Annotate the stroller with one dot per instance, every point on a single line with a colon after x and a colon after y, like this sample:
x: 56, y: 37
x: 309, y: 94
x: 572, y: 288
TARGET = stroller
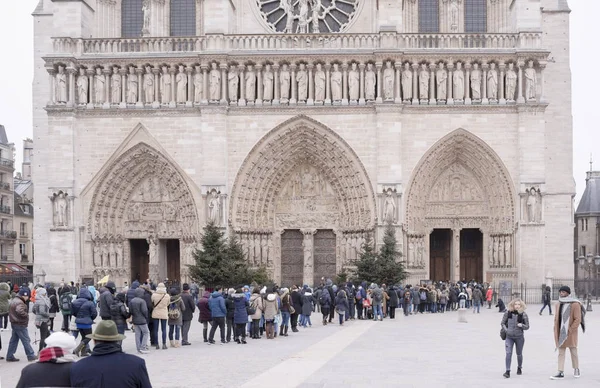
x: 367, y: 308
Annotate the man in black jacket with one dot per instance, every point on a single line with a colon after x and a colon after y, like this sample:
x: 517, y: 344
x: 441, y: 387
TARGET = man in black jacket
x: 106, y: 300
x: 188, y: 313
x: 140, y: 317
x: 297, y: 303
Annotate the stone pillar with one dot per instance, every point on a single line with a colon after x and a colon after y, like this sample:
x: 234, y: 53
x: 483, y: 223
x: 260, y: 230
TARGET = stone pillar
x: 501, y: 98
x: 140, y: 74
x: 123, y: 103
x: 294, y: 95
x: 361, y: 94
x: 51, y: 82
x: 379, y: 89
x: 277, y: 95
x: 71, y: 87
x: 224, y: 84
x: 309, y: 260
x: 156, y: 102
x: 172, y: 103
x: 190, y: 90
x: 327, y: 84
x: 92, y: 88
x: 455, y: 256
x: 415, y: 100
x: 520, y: 98
x: 259, y: 85
x: 344, y: 84
x: 311, y: 85
x: 449, y: 92
x: 398, y: 84
x: 542, y: 65
x: 468, y: 100
x: 107, y: 87
x: 484, y: 96
x: 204, y: 84
x: 432, y: 85
x: 242, y: 100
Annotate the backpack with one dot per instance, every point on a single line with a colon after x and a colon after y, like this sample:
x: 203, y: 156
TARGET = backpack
x: 377, y: 296
x: 174, y: 312
x: 66, y: 302
x: 324, y: 298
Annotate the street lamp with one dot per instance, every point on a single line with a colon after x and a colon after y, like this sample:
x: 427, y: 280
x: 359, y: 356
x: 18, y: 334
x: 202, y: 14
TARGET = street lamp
x: 589, y: 263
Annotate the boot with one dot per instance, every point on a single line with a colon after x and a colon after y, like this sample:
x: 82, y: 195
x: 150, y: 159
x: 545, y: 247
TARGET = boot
x: 78, y: 349
x: 268, y: 330
x: 285, y: 334
x: 165, y: 346
x: 172, y: 343
x: 261, y: 330
x: 176, y: 344
x: 281, y: 331
x: 205, y: 334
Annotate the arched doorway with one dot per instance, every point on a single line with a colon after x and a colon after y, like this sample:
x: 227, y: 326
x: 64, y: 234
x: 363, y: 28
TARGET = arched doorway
x: 460, y: 206
x: 302, y: 201
x: 142, y: 220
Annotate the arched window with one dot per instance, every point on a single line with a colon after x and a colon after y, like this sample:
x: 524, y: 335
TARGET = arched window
x: 429, y: 16
x: 132, y: 18
x: 183, y: 17
x: 475, y: 16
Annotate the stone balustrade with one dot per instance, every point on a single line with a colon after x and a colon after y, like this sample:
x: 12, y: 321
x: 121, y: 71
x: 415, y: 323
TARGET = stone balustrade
x: 282, y: 42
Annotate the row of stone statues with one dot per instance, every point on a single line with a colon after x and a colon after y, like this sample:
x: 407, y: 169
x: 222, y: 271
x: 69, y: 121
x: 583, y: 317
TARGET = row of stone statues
x: 500, y: 252
x: 311, y: 84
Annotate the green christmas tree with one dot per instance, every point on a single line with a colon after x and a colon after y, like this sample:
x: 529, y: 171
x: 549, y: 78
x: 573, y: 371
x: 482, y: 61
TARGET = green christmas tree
x: 366, y: 264
x: 390, y: 269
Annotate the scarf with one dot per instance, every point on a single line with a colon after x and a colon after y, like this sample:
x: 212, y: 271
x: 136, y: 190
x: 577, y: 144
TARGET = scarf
x: 103, y: 348
x: 564, y: 318
x: 55, y: 355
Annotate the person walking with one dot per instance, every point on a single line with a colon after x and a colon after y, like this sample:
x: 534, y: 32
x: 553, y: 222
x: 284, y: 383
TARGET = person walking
x: 106, y: 299
x: 41, y: 309
x: 218, y: 312
x: 514, y: 323
x: 140, y: 316
x: 341, y: 305
x: 84, y: 311
x: 160, y: 313
x: 256, y: 303
x: 205, y: 317
x: 18, y: 313
x: 546, y: 299
x: 488, y: 296
x: 286, y: 307
x: 297, y: 304
x: 53, y: 307
x: 4, y: 302
x: 119, y: 313
x: 477, y: 299
x: 570, y: 314
x: 65, y: 302
x: 188, y: 313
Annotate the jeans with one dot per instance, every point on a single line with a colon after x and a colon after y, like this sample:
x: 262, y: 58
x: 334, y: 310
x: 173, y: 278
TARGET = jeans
x: 153, y: 336
x: 508, y: 344
x: 176, y: 328
x: 359, y: 309
x: 406, y: 308
x: 66, y: 321
x: 549, y: 307
x: 306, y: 320
x: 142, y: 333
x: 44, y: 333
x: 121, y: 328
x: 461, y: 303
x: 185, y: 330
x: 377, y: 310
x: 220, y: 322
x: 3, y: 321
x: 163, y: 328
x: 19, y: 333
x: 301, y: 320
x: 433, y: 307
x: 285, y: 318
x: 230, y: 329
x: 476, y: 306
x: 341, y: 318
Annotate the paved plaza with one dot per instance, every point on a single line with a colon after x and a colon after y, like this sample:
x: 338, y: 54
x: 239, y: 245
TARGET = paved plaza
x: 434, y: 350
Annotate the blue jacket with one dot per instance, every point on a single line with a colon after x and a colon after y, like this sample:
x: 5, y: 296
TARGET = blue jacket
x: 84, y: 309
x: 216, y: 304
x: 109, y: 367
x: 131, y: 291
x: 240, y: 313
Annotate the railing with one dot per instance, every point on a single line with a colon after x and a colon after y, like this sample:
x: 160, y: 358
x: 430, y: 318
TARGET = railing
x: 23, y: 234
x: 8, y: 234
x: 24, y: 258
x: 4, y: 258
x: 281, y: 42
x: 5, y: 209
x: 7, y: 162
x: 5, y: 186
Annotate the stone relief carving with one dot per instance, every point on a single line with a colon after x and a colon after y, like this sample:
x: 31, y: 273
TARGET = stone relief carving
x: 319, y: 83
x: 233, y: 81
x: 82, y: 87
x: 132, y: 86
x: 456, y: 184
x: 147, y: 16
x: 149, y: 85
x: 442, y: 82
x: 353, y: 81
x: 181, y: 81
x: 407, y: 83
x: 250, y: 84
x: 284, y: 79
x: 492, y: 83
x: 511, y: 82
x: 303, y: 18
x: 199, y: 85
x: 100, y: 86
x: 336, y: 83
x: 530, y: 82
x: 500, y: 251
x: 215, y: 207
x: 388, y: 82
x: 389, y: 206
x: 533, y: 205
x: 415, y: 257
x: 458, y: 83
x: 61, y: 86
x: 165, y: 86
x: 115, y: 87
x: 424, y: 83
x: 302, y: 79
x: 268, y: 79
x: 214, y: 83
x: 476, y: 82
x: 61, y: 209
x: 370, y: 80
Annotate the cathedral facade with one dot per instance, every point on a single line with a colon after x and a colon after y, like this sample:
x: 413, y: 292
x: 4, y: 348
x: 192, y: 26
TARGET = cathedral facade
x: 303, y: 127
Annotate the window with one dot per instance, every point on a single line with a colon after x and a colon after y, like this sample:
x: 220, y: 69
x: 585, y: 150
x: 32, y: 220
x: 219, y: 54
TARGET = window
x: 583, y: 250
x: 23, y: 248
x: 183, y: 17
x: 586, y: 224
x: 475, y: 16
x: 23, y: 229
x: 25, y: 209
x: 429, y: 16
x: 582, y: 225
x: 132, y: 18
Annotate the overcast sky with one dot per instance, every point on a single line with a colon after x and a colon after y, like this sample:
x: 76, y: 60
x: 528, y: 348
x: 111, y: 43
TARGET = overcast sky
x: 16, y: 74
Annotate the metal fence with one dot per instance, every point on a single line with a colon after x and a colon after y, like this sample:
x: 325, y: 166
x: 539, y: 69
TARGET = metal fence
x: 17, y: 279
x: 533, y: 294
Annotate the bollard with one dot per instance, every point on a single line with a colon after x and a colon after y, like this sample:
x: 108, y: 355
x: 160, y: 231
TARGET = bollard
x: 462, y: 315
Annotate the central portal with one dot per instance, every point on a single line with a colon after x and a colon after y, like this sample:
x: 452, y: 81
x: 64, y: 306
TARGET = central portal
x: 440, y: 246
x: 471, y: 255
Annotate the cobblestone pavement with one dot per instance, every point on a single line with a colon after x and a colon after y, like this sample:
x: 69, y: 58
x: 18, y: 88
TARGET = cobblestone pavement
x: 411, y: 351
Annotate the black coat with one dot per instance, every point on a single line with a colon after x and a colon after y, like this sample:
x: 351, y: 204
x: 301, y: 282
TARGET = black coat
x: 190, y: 307
x: 393, y: 297
x: 45, y: 374
x: 230, y: 306
x: 106, y: 299
x: 297, y: 301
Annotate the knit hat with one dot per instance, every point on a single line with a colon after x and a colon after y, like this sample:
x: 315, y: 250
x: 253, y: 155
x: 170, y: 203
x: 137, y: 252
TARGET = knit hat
x: 62, y: 340
x: 24, y: 291
x: 186, y: 287
x: 106, y: 331
x: 566, y: 289
x: 161, y: 288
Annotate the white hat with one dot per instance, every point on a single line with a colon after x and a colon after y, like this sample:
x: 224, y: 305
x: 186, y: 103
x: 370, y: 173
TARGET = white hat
x: 61, y: 339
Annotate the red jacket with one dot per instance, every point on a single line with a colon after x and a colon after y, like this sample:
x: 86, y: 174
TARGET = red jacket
x: 489, y: 294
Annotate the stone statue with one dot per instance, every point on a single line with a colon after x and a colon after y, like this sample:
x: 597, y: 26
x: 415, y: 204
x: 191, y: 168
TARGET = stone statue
x: 319, y: 83
x: 424, y: 82
x: 531, y: 203
x: 233, y: 81
x: 132, y: 86
x: 492, y: 82
x: 476, y: 82
x: 370, y: 80
x: 495, y: 256
x: 146, y: 13
x: 407, y: 82
x: 288, y: 9
x: 458, y: 82
x: 530, y: 82
x: 336, y: 83
x: 149, y: 85
x: 511, y: 82
x: 420, y: 252
x: 198, y: 85
x: 115, y: 86
x: 303, y: 17
x: 268, y: 78
x: 214, y: 82
x: 389, y: 208
x: 60, y: 209
x: 165, y: 86
x: 250, y: 84
x: 82, y: 87
x: 491, y: 252
x: 214, y: 208
x: 388, y: 82
x: 61, y: 86
x: 285, y: 82
x: 353, y: 82
x: 302, y: 79
x: 411, y: 252
x: 100, y: 80
x: 442, y: 82
x: 454, y: 15
x: 181, y: 82
x: 507, y: 260
x: 316, y: 7
x: 96, y: 257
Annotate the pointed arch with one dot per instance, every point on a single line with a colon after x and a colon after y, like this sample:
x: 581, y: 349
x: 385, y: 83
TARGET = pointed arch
x: 483, y: 194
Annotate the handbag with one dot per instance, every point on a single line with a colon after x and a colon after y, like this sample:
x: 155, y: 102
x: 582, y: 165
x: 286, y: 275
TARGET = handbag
x: 251, y: 310
x: 292, y: 310
x: 503, y: 334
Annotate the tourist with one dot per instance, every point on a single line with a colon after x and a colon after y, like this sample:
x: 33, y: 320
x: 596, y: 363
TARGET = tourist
x: 360, y: 295
x: 119, y: 313
x: 270, y: 312
x: 240, y: 316
x: 350, y: 293
x: 109, y: 366
x: 501, y: 306
x: 307, y: 307
x: 54, y: 366
x: 286, y: 307
x: 256, y: 303
x: 65, y: 302
x: 194, y: 291
x: 546, y: 299
x: 150, y: 307
x: 569, y: 315
x: 160, y: 313
x: 131, y: 291
x: 462, y: 299
x: 326, y: 305
x: 230, y: 307
x: 444, y: 298
x: 175, y: 313
x: 218, y: 312
x: 329, y: 287
x: 416, y: 299
x: 188, y: 313
x: 140, y: 316
x: 4, y: 302
x: 106, y: 299
x: 376, y: 301
x: 488, y: 296
x: 85, y: 312
x: 469, y: 302
x: 407, y: 301
x: 477, y: 299
x: 205, y: 317
x: 19, y: 320
x: 341, y: 306
x: 53, y: 307
x: 393, y: 301
x: 41, y: 309
x: 297, y: 304
x: 514, y: 323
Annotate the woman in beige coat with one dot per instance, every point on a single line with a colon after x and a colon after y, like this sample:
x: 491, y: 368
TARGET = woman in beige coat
x: 160, y: 314
x: 256, y: 302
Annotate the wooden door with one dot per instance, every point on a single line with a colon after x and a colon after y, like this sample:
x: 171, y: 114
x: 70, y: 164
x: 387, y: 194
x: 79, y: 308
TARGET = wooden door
x: 292, y: 258
x: 471, y: 255
x: 324, y: 254
x: 173, y: 261
x: 140, y: 261
x: 440, y: 244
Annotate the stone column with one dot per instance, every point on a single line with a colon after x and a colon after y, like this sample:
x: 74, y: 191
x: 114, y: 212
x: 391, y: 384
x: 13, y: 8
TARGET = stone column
x: 294, y: 95
x: 204, y: 83
x: 398, y: 84
x: 259, y: 85
x: 224, y: 84
x: 156, y: 102
x: 432, y: 85
x: 361, y: 94
x: 71, y: 87
x: 140, y: 74
x: 309, y: 260
x: 92, y: 88
x: 468, y: 100
x: 190, y: 84
x: 449, y: 93
x: 107, y: 87
x: 344, y: 84
x: 327, y: 84
x: 542, y: 66
x: 484, y: 96
x: 277, y: 95
x: 123, y: 72
x: 172, y: 71
x: 415, y: 100
x: 311, y: 85
x: 501, y: 98
x: 520, y: 98
x: 455, y: 257
x: 379, y: 89
x: 153, y: 267
x: 51, y: 82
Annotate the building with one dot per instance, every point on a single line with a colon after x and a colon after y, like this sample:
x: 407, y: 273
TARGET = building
x: 302, y: 129
x: 27, y: 159
x: 587, y: 236
x: 8, y: 234
x: 23, y: 209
